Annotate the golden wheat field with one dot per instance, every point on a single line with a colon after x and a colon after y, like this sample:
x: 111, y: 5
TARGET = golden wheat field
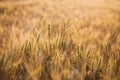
x: 59, y: 39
